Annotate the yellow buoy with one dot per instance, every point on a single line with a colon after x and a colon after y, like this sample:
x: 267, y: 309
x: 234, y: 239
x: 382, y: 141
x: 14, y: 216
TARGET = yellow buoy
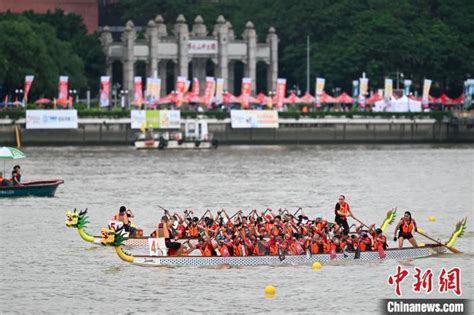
x: 316, y: 265
x: 270, y: 290
x: 432, y: 218
x: 421, y: 230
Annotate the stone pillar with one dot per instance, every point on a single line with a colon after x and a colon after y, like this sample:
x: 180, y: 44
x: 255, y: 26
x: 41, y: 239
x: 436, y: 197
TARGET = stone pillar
x: 106, y: 41
x: 250, y: 37
x: 221, y: 33
x: 152, y: 39
x: 182, y: 36
x: 230, y: 86
x: 272, y: 70
x: 128, y: 38
x: 199, y: 72
x: 162, y: 75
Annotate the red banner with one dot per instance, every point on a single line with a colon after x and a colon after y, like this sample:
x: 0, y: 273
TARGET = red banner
x: 180, y: 90
x: 245, y: 94
x: 62, y: 95
x: 138, y: 95
x: 280, y: 92
x: 209, y: 91
x: 28, y: 82
x: 104, y: 91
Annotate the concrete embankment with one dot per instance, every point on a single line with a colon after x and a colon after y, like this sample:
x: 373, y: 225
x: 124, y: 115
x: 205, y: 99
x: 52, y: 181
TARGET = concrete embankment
x: 97, y: 131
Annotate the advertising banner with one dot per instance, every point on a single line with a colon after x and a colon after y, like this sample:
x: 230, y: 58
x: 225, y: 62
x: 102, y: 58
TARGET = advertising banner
x: 388, y: 88
x: 209, y: 91
x: 158, y: 119
x: 138, y: 93
x: 245, y: 93
x: 280, y: 92
x: 62, y: 94
x: 28, y: 82
x: 320, y: 85
x: 104, y: 91
x: 407, y: 84
x: 219, y: 91
x: 51, y: 119
x: 254, y: 118
x: 153, y: 87
x: 180, y: 90
x: 363, y: 87
x: 426, y: 92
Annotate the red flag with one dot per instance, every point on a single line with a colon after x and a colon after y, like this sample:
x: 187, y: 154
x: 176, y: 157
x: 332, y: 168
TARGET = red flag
x: 28, y: 82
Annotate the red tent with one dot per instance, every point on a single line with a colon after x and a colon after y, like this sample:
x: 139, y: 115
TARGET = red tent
x: 229, y: 98
x: 374, y: 98
x: 43, y: 101
x: 326, y: 98
x: 344, y: 98
x: 292, y: 99
x: 168, y: 99
x: 307, y: 98
x: 446, y: 100
x: 459, y: 100
x: 434, y: 100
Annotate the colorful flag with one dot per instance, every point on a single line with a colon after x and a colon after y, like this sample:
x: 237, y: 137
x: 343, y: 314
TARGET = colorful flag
x: 280, y: 92
x: 28, y: 82
x: 63, y: 85
x: 320, y: 86
x: 219, y: 91
x: 138, y: 93
x: 104, y: 91
x: 388, y: 88
x: 426, y: 92
x: 209, y: 91
x: 153, y: 87
x: 180, y: 90
x: 245, y: 93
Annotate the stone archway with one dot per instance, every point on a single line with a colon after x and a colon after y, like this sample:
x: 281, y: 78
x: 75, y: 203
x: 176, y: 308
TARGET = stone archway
x: 262, y: 74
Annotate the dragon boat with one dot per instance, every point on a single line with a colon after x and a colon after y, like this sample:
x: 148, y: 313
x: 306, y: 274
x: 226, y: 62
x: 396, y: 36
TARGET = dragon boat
x: 42, y: 188
x: 117, y: 239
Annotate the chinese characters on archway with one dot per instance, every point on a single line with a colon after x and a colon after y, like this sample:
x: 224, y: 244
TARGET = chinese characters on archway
x: 447, y: 280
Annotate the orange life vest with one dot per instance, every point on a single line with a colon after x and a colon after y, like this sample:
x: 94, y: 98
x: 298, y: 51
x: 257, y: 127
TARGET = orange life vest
x: 314, y: 248
x: 344, y: 209
x: 193, y: 231
x: 224, y: 251
x: 206, y: 251
x: 273, y: 249
x: 237, y: 250
x: 379, y: 241
x: 162, y: 230
x: 121, y: 217
x: 407, y: 227
x: 326, y: 246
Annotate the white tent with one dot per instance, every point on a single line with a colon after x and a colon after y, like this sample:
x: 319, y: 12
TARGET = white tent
x: 401, y: 105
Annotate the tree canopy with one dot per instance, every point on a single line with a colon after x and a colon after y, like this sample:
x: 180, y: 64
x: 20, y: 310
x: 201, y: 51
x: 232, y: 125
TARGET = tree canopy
x: 47, y: 46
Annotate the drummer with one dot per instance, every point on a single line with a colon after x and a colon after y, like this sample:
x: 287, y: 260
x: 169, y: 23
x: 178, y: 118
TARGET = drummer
x: 405, y: 228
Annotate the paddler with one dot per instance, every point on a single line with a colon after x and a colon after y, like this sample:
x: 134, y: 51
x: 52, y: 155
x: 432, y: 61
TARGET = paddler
x: 342, y: 211
x: 163, y: 230
x: 123, y: 216
x: 405, y: 228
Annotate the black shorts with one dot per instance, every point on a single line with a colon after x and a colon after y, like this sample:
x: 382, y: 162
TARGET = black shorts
x: 172, y: 245
x: 406, y: 236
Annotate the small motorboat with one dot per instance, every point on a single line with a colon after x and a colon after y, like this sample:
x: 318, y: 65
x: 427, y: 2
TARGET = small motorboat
x: 41, y: 188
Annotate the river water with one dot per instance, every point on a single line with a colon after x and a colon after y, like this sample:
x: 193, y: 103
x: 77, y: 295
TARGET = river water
x: 46, y: 267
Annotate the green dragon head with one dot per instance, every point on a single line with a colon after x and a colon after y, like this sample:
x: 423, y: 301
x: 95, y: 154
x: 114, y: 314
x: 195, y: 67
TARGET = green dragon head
x: 458, y: 232
x: 76, y: 219
x: 111, y: 237
x: 391, y: 215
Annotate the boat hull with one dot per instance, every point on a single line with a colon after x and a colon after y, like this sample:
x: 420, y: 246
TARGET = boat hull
x: 372, y: 256
x: 146, y: 145
x: 46, y: 188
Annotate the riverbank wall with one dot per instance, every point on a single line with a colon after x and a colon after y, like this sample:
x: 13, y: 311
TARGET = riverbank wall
x: 99, y: 131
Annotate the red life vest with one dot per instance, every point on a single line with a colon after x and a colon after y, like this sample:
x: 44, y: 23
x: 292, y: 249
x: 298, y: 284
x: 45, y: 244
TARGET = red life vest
x: 407, y: 227
x: 193, y: 231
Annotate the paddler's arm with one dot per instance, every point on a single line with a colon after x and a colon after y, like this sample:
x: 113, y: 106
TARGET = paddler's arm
x: 396, y: 229
x: 226, y: 215
x: 415, y: 225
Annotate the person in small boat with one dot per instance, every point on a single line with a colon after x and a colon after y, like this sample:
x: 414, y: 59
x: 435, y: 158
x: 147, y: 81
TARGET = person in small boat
x: 405, y: 229
x: 4, y: 181
x: 342, y: 211
x: 379, y: 240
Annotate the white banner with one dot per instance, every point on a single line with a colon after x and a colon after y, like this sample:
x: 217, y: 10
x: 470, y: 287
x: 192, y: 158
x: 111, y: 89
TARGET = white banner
x: 198, y: 47
x: 170, y: 119
x: 137, y: 117
x: 254, y: 118
x: 51, y: 119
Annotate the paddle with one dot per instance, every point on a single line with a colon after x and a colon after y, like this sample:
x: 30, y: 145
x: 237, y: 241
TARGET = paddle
x: 361, y: 222
x: 452, y: 249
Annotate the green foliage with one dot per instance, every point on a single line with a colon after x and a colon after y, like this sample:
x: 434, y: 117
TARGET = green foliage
x: 47, y: 46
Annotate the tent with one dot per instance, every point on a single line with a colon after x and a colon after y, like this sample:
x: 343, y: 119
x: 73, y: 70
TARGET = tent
x: 344, y: 98
x: 307, y: 98
x: 404, y: 104
x: 446, y: 100
x: 291, y: 99
x: 326, y: 98
x: 374, y: 98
